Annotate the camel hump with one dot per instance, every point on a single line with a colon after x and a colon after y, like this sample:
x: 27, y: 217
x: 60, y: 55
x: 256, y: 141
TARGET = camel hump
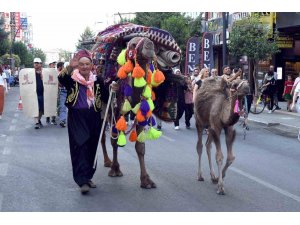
x: 213, y: 85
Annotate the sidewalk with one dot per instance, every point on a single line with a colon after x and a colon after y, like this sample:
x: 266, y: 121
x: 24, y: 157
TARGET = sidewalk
x: 280, y: 121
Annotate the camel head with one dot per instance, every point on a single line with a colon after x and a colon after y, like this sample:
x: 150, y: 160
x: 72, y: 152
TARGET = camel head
x: 240, y: 87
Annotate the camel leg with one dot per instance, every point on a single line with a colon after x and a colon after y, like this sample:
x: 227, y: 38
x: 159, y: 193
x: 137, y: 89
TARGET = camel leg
x: 219, y: 158
x: 107, y: 161
x: 146, y: 182
x: 214, y: 179
x: 230, y: 136
x: 199, y: 151
x: 115, y: 167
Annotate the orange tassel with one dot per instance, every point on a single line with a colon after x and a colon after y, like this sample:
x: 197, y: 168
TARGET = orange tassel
x: 128, y: 66
x: 121, y: 73
x: 133, y: 136
x: 153, y: 96
x: 149, y: 76
x: 149, y: 113
x: 159, y: 77
x: 121, y: 124
x: 138, y: 71
x: 139, y: 116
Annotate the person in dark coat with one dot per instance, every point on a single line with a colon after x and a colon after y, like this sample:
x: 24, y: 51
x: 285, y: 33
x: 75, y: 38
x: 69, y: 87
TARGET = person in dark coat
x: 85, y: 94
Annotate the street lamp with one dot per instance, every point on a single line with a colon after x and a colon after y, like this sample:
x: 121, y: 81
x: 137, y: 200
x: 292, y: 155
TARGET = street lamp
x: 225, y: 25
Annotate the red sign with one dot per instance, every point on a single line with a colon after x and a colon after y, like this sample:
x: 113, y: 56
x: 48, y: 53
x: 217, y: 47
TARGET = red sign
x: 18, y: 23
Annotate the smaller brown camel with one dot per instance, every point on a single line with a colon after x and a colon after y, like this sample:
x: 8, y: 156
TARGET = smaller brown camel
x: 215, y: 109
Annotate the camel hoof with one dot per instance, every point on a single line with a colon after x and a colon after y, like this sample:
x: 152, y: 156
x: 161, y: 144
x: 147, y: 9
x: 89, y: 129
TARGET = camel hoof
x: 214, y: 180
x: 107, y: 163
x: 146, y: 186
x: 200, y: 178
x: 221, y: 191
x: 115, y: 173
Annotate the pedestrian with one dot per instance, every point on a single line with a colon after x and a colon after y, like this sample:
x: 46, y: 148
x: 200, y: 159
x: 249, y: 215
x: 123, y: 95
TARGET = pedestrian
x: 296, y: 102
x: 7, y: 72
x: 297, y: 80
x: 62, y: 109
x: 85, y: 94
x: 3, y: 90
x: 288, y: 86
x: 275, y: 97
x: 214, y: 72
x: 270, y: 85
x: 180, y: 101
x: 189, y: 103
x: 195, y: 75
x: 53, y: 118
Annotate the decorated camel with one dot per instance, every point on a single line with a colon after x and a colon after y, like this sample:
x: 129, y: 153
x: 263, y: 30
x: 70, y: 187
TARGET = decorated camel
x: 217, y: 106
x: 139, y: 59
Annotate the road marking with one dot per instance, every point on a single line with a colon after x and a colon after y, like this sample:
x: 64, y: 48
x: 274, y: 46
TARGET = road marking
x: 1, y: 198
x: 6, y: 150
x: 12, y: 127
x: 16, y: 115
x: 3, y: 169
x: 168, y: 138
x: 266, y: 184
x: 14, y: 121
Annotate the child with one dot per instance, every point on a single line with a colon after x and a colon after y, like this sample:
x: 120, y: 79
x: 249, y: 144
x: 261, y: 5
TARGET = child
x: 288, y: 85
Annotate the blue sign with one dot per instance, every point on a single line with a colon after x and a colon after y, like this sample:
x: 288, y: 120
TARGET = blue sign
x: 24, y: 23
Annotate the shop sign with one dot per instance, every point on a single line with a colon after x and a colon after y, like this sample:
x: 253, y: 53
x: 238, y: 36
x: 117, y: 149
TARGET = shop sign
x: 192, y: 54
x: 207, y: 51
x: 285, y: 42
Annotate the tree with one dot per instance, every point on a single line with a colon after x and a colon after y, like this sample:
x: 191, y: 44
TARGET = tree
x: 64, y: 54
x: 4, y: 42
x: 251, y: 38
x: 20, y: 49
x: 87, y: 35
x: 6, y: 59
x: 153, y: 19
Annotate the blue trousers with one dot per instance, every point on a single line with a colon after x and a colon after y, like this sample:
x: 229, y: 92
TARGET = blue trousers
x: 62, y: 109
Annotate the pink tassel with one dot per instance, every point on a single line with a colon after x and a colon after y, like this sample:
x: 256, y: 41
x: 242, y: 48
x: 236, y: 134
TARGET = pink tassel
x: 236, y: 107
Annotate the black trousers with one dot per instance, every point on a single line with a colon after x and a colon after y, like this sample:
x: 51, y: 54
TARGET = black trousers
x: 188, y: 112
x: 180, y: 111
x: 84, y: 126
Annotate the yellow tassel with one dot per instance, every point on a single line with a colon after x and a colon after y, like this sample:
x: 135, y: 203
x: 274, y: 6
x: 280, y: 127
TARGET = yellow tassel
x: 126, y: 107
x: 141, y: 137
x: 136, y: 108
x: 121, y: 140
x: 153, y: 134
x: 139, y: 82
x: 147, y: 92
x: 122, y: 57
x: 151, y: 104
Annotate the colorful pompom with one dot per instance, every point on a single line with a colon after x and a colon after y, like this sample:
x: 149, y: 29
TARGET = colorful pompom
x: 153, y: 134
x: 128, y: 90
x: 141, y: 137
x: 121, y: 124
x: 121, y: 57
x: 126, y: 107
x: 133, y: 136
x: 121, y: 140
x: 159, y: 77
x: 121, y: 73
x: 128, y: 67
x: 139, y: 82
x: 136, y: 108
x: 139, y: 116
x: 151, y: 104
x: 147, y: 92
x: 151, y: 121
x: 144, y: 107
x: 138, y: 71
x: 149, y: 77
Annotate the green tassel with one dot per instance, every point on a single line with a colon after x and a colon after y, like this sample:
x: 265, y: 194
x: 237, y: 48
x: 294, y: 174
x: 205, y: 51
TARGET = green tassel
x: 151, y: 104
x: 139, y: 82
x: 153, y: 134
x: 136, y: 108
x: 126, y: 107
x: 122, y: 57
x: 121, y: 139
x: 141, y: 137
x: 147, y: 92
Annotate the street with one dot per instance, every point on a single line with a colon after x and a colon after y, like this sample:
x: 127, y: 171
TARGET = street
x: 36, y: 175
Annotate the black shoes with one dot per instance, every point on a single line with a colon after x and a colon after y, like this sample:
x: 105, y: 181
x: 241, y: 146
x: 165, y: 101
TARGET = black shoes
x: 85, y: 189
x: 62, y: 124
x: 53, y: 122
x: 38, y: 125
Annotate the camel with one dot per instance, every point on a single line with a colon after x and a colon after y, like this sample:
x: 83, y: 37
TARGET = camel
x: 140, y: 49
x: 216, y: 108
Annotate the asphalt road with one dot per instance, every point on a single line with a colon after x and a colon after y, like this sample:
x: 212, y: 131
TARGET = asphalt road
x: 35, y: 173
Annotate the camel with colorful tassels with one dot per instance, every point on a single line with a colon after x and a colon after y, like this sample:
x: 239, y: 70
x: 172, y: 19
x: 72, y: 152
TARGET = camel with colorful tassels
x: 140, y: 60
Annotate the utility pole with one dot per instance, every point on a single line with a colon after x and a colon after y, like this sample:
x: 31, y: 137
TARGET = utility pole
x: 224, y: 46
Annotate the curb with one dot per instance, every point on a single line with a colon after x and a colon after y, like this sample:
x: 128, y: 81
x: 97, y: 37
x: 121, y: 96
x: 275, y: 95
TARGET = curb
x: 278, y: 128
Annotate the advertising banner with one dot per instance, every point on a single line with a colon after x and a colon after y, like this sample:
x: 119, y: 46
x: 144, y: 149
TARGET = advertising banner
x: 192, y: 54
x: 207, y: 51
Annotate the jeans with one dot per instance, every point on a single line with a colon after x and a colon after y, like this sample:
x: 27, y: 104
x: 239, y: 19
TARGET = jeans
x: 62, y: 109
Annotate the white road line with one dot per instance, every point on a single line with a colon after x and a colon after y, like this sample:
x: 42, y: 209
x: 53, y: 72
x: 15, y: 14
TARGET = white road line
x: 14, y: 121
x: 16, y: 115
x: 266, y: 184
x: 12, y: 127
x: 1, y: 199
x: 3, y: 169
x: 7, y: 150
x: 168, y: 138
